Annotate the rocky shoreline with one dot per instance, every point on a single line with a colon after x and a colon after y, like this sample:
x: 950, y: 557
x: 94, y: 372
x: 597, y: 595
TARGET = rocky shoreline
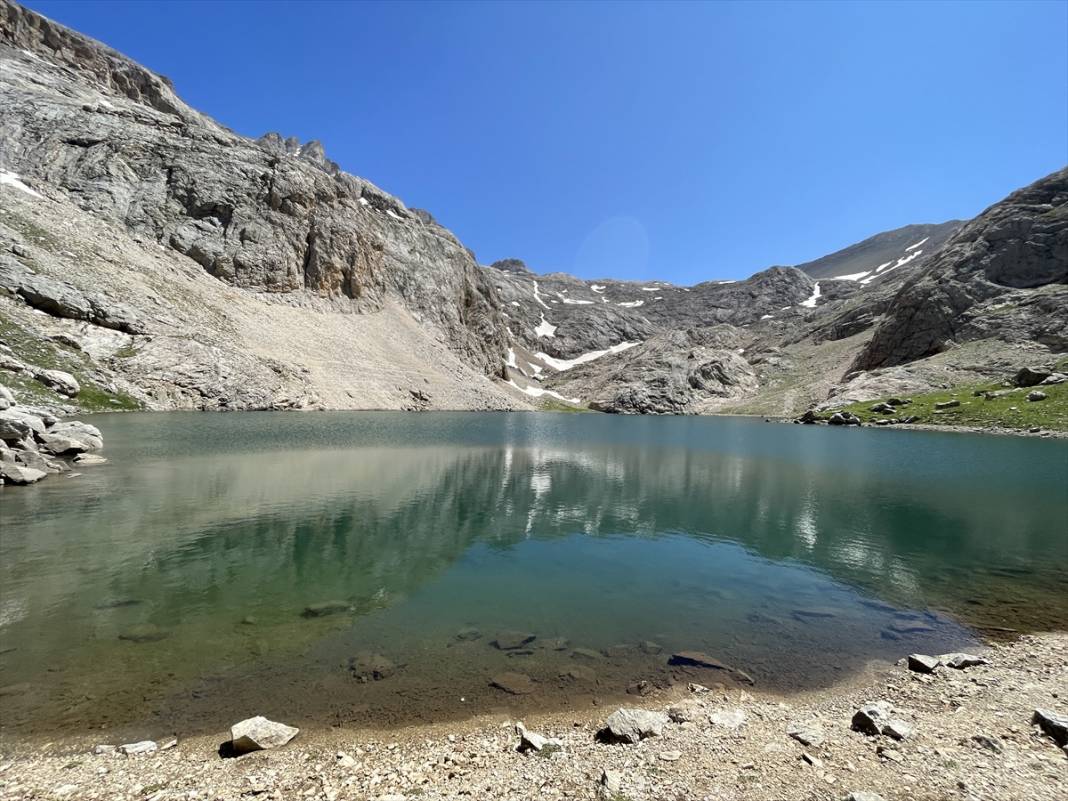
x: 986, y: 726
x: 35, y: 443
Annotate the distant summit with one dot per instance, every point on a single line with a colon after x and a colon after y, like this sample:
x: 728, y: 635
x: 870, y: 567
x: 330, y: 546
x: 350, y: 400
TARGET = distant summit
x: 872, y: 258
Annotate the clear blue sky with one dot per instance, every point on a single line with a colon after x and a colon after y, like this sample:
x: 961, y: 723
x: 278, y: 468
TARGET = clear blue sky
x: 674, y: 141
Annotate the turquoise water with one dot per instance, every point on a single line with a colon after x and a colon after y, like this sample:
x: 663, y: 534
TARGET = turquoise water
x: 795, y: 554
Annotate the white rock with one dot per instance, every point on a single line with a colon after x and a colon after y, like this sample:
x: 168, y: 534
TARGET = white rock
x: 632, y: 725
x: 260, y: 734
x: 139, y: 748
x: 532, y: 741
x: 728, y: 718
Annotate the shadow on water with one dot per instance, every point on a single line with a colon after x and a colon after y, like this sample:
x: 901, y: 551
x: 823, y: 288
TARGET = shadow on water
x: 223, y: 566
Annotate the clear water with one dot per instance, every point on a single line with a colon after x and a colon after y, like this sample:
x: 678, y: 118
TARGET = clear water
x: 793, y: 553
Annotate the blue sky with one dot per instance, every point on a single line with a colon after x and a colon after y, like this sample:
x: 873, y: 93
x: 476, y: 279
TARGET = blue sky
x: 674, y: 141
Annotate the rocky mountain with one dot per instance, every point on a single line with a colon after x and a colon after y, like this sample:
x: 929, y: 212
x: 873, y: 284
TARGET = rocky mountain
x: 163, y: 261
x: 875, y: 257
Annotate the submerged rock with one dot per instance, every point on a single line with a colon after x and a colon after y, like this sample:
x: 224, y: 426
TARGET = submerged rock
x: 468, y: 633
x: 144, y: 632
x: 633, y: 725
x: 326, y: 608
x: 366, y: 666
x: 510, y: 640
x: 259, y: 734
x: 513, y: 683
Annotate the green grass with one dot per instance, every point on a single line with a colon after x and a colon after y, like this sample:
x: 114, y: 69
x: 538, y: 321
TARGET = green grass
x: 49, y: 355
x: 1011, y: 411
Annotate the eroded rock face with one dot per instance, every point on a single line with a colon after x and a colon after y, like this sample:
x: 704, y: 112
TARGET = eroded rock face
x: 1014, y: 253
x: 268, y: 215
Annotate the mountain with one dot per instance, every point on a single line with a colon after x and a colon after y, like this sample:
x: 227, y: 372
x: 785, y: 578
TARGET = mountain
x: 877, y: 256
x: 163, y: 261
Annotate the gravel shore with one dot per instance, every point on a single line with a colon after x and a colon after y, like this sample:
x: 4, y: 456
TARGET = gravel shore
x: 968, y: 735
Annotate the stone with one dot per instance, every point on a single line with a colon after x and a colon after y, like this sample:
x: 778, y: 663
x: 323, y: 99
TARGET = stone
x: 13, y: 427
x: 510, y: 640
x: 897, y: 729
x: 685, y: 712
x: 844, y: 419
x: 860, y: 795
x: 89, y: 459
x: 697, y: 659
x: 580, y: 673
x: 650, y: 647
x: 805, y: 614
x: 259, y: 734
x: 728, y: 718
x: 633, y: 725
x: 1036, y: 395
x: 144, y: 632
x: 102, y: 750
x: 139, y: 749
x: 871, y: 718
x: 366, y: 666
x: 670, y: 756
x: 60, y: 445
x: 83, y: 432
x: 326, y: 609
x: 889, y: 754
x: 809, y: 734
x: 910, y: 627
x: 61, y: 382
x: 532, y: 741
x: 586, y: 653
x: 17, y: 474
x: 815, y: 762
x: 992, y: 744
x: 468, y: 633
x: 1030, y: 376
x: 345, y: 761
x: 611, y: 781
x: 555, y: 644
x: 921, y: 663
x: 642, y: 688
x: 1053, y: 724
x: 960, y: 661
x: 949, y: 404
x: 513, y: 683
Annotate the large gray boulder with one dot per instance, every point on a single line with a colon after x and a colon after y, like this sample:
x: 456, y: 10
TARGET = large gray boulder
x: 260, y: 734
x: 19, y: 474
x: 632, y: 725
x: 88, y: 435
x: 60, y: 381
x: 13, y: 427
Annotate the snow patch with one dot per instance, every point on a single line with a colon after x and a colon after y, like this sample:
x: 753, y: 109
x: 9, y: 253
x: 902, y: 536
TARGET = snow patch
x: 632, y: 304
x: 510, y: 361
x: 537, y: 296
x: 650, y: 289
x: 810, y: 302
x: 12, y: 180
x: 515, y: 302
x: 545, y: 329
x: 885, y: 269
x: 364, y: 202
x: 573, y: 301
x: 767, y: 317
x: 913, y: 247
x: 598, y: 287
x: 851, y: 276
x: 567, y: 364
x: 537, y: 392
x: 393, y: 214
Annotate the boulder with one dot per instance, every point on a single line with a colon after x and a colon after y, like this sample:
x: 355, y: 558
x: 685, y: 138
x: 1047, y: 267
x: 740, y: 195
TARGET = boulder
x: 1031, y: 376
x: 1053, y: 724
x: 685, y: 712
x: 897, y: 729
x: 61, y: 445
x: 1036, y: 395
x: 532, y: 741
x: 510, y: 640
x: 809, y: 417
x: 921, y: 663
x: 18, y: 474
x: 960, y: 661
x: 89, y: 459
x: 806, y: 733
x: 844, y: 419
x: 61, y: 382
x: 259, y: 734
x: 83, y: 432
x: 513, y: 683
x: 949, y: 404
x: 871, y: 718
x: 632, y: 725
x: 13, y: 427
x: 468, y: 633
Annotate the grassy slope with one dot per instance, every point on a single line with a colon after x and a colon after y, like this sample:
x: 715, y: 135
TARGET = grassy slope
x: 51, y: 355
x: 1012, y: 411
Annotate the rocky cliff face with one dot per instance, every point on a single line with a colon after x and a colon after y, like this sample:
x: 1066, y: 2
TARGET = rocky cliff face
x: 90, y: 127
x: 1004, y: 275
